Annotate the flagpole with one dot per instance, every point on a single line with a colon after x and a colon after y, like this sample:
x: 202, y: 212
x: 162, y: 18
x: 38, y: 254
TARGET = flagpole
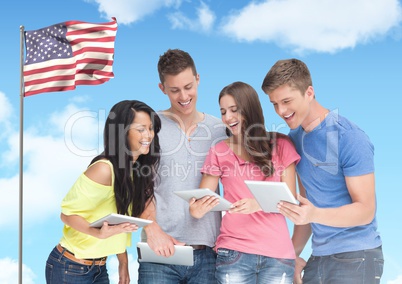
x: 21, y: 149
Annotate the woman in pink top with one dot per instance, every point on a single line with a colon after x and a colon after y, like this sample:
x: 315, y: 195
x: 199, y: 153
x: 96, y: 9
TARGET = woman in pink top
x: 253, y: 246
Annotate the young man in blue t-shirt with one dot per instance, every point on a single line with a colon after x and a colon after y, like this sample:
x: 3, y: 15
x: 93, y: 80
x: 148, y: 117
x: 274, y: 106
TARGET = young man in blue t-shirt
x: 336, y: 184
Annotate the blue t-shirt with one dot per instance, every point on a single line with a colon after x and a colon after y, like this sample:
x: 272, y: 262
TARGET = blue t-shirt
x: 334, y: 149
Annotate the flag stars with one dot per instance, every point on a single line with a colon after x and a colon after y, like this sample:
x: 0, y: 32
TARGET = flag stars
x: 49, y: 47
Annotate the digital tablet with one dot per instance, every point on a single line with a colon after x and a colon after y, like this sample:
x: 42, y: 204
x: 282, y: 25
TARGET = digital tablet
x: 198, y: 193
x: 114, y: 219
x: 269, y: 193
x: 183, y: 255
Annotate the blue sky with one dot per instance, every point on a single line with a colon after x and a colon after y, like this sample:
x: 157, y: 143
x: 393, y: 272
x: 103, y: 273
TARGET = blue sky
x: 353, y: 50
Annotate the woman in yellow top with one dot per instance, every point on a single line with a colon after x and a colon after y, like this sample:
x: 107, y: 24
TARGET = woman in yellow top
x: 120, y: 180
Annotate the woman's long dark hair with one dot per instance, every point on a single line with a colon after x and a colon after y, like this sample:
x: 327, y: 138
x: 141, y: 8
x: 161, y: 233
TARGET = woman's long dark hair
x: 258, y: 143
x: 134, y: 183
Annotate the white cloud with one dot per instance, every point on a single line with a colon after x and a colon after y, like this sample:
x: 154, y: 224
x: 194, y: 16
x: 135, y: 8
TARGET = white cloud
x: 129, y: 11
x: 398, y: 280
x: 6, y: 111
x: 313, y: 25
x: 300, y: 25
x: 5, y: 108
x: 80, y: 128
x: 9, y: 272
x: 52, y: 162
x: 204, y: 21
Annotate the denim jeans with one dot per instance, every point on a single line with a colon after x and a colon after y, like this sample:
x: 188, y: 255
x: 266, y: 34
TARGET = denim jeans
x: 357, y: 267
x: 202, y: 272
x: 243, y: 268
x: 61, y: 270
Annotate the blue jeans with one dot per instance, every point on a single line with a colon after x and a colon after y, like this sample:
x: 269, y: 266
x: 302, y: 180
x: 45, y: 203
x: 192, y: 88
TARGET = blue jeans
x: 364, y: 266
x: 243, y: 268
x: 61, y: 270
x: 202, y: 272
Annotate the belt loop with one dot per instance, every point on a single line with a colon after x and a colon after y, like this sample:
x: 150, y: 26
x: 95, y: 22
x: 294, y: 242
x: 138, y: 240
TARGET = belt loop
x: 61, y: 253
x: 100, y: 262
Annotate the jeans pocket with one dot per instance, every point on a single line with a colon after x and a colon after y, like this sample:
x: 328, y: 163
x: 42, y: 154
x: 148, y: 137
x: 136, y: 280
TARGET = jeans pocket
x: 227, y: 256
x: 347, y: 258
x: 76, y: 269
x: 48, y: 272
x: 378, y: 269
x: 287, y: 261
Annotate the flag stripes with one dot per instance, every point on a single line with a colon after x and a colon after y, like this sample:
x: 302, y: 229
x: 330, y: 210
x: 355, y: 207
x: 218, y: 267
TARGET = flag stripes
x: 62, y: 56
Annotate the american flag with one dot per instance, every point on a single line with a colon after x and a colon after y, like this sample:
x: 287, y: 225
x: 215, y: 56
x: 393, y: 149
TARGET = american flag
x: 62, y: 56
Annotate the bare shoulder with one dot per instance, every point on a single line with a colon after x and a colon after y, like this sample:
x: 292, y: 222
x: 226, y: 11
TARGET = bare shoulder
x: 100, y: 173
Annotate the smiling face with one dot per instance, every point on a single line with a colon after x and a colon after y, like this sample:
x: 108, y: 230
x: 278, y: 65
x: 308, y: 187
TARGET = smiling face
x: 292, y: 105
x: 230, y: 114
x: 140, y: 134
x: 182, y: 91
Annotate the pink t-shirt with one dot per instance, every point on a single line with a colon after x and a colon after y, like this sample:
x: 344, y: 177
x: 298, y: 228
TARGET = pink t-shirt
x: 258, y: 233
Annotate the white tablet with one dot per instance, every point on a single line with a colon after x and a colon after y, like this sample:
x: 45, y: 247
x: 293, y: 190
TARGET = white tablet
x: 198, y: 193
x: 183, y: 255
x: 269, y: 193
x: 114, y: 219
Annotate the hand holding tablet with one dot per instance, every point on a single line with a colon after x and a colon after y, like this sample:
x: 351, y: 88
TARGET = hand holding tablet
x: 183, y: 255
x: 224, y: 205
x: 269, y: 193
